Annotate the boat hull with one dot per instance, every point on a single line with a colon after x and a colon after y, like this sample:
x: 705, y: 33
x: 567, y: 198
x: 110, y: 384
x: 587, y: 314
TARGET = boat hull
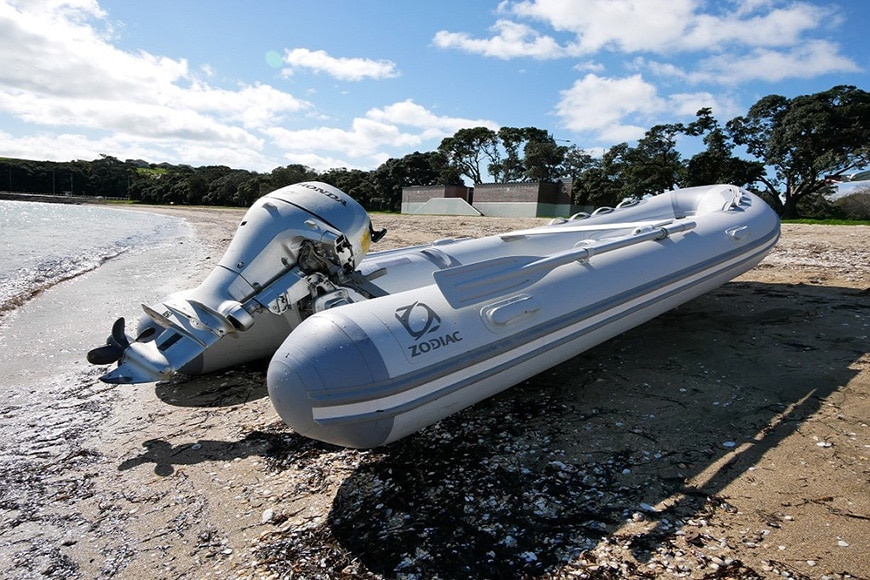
x: 483, y: 315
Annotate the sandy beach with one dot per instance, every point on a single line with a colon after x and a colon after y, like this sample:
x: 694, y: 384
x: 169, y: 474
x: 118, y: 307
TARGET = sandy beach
x: 729, y: 438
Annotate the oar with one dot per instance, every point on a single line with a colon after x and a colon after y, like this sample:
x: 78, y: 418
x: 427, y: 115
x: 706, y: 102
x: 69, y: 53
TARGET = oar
x: 573, y: 227
x: 479, y: 281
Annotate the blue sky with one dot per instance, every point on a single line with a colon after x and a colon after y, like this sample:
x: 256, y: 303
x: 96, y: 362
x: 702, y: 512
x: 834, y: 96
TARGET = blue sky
x: 352, y: 83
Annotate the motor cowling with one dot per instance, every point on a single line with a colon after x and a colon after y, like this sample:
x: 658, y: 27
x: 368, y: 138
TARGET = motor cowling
x: 272, y: 236
x: 286, y: 235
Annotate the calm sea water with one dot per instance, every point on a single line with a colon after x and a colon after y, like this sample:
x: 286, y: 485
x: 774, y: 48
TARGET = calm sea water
x: 42, y: 244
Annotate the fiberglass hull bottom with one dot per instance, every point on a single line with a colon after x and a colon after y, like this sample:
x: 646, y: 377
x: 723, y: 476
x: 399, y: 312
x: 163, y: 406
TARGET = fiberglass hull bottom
x: 354, y: 413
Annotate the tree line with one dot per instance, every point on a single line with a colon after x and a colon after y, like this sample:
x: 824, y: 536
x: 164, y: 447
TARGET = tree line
x: 789, y: 151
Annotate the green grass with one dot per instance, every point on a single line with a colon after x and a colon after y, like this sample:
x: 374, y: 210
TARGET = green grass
x: 153, y: 171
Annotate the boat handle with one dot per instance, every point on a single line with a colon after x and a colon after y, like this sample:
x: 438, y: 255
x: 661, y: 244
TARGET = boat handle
x: 738, y: 233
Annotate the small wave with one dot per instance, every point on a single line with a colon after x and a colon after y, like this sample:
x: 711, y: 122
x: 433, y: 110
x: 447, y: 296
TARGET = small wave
x: 44, y: 245
x: 30, y: 283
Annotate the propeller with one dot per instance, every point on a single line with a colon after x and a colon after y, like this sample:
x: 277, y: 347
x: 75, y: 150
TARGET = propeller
x: 115, y: 346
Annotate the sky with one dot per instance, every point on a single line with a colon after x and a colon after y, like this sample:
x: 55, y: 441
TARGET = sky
x: 351, y: 83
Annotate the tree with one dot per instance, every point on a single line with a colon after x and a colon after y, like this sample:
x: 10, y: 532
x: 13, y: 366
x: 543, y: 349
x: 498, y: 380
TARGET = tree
x: 544, y: 160
x: 197, y: 188
x: 413, y: 169
x: 224, y: 189
x: 514, y: 167
x: 510, y: 168
x: 175, y: 188
x: 804, y: 141
x: 250, y: 190
x: 510, y: 155
x: 855, y: 206
x: 354, y: 182
x: 422, y: 168
x: 109, y: 177
x: 576, y: 161
x: 654, y: 165
x: 716, y: 164
x: 468, y: 149
x: 295, y: 173
x: 147, y: 183
x: 447, y: 173
x: 601, y: 183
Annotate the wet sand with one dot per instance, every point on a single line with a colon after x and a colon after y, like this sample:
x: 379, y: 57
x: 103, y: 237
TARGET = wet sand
x: 728, y: 438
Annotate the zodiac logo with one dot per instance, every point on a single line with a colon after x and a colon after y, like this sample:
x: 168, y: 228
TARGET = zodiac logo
x: 418, y: 319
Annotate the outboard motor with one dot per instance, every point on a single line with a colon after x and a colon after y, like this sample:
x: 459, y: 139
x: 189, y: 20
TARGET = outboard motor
x: 292, y: 255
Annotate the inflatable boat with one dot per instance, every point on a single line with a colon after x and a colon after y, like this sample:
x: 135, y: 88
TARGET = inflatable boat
x: 370, y: 347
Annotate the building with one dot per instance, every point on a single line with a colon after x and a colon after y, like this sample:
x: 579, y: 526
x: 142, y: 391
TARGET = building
x: 536, y: 199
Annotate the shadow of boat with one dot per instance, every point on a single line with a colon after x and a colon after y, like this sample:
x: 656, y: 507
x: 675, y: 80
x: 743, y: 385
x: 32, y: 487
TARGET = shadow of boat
x: 630, y: 444
x: 223, y: 388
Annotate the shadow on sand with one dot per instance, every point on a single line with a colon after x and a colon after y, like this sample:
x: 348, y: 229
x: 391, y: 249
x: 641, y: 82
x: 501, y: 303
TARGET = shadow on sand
x: 648, y: 428
x: 236, y: 386
x: 625, y: 444
x: 274, y: 445
x: 218, y: 389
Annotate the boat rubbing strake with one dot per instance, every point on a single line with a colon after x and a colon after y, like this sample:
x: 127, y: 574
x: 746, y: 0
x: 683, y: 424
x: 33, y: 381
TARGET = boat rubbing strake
x: 369, y: 350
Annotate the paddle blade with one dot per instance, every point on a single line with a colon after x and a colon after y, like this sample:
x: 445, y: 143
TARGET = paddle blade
x: 472, y: 283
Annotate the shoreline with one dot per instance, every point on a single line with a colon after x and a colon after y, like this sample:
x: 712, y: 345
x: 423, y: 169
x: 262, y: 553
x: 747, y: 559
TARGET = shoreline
x: 728, y: 436
x: 41, y: 197
x: 58, y: 268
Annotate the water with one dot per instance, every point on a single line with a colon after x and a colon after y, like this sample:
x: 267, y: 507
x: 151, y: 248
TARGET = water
x: 52, y: 407
x: 42, y: 244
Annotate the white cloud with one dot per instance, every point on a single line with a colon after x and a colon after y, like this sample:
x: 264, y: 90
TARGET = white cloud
x: 627, y: 25
x: 142, y: 120
x: 66, y: 146
x: 778, y: 27
x: 254, y: 106
x: 806, y: 60
x: 600, y: 105
x: 686, y: 105
x: 756, y: 33
x: 664, y: 69
x: 404, y: 126
x: 61, y: 71
x: 411, y: 114
x: 622, y: 109
x: 92, y: 98
x: 52, y: 54
x: 197, y: 153
x: 54, y: 147
x: 320, y: 162
x: 345, y: 69
x: 64, y: 77
x: 364, y: 138
x: 664, y: 26
x: 510, y: 41
x: 590, y: 66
